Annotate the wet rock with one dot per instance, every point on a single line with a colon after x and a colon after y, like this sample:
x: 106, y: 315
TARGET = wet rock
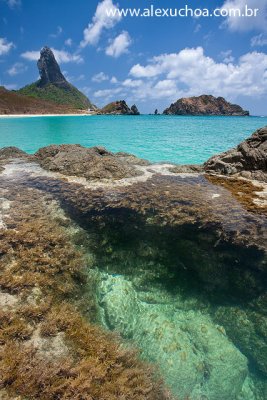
x: 248, y: 159
x: 195, y: 357
x: 248, y: 329
x: 90, y: 163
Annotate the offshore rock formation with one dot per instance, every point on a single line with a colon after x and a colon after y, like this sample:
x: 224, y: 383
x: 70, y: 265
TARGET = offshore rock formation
x: 248, y: 159
x: 135, y: 110
x: 204, y: 105
x: 119, y: 108
x: 53, y: 86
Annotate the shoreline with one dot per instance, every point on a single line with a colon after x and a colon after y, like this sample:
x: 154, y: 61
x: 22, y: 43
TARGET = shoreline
x: 7, y: 116
x: 10, y: 116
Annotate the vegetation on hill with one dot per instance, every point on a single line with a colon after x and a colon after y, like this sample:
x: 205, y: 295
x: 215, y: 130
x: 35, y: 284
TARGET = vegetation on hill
x: 68, y: 95
x: 14, y: 103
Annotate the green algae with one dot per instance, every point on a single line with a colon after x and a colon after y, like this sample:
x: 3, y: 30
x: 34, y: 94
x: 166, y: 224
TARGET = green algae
x: 172, y: 268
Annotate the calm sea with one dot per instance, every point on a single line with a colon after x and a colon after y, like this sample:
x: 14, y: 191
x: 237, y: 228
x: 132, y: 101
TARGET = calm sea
x: 157, y: 138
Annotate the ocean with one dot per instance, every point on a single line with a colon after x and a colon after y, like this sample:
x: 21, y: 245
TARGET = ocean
x: 177, y: 139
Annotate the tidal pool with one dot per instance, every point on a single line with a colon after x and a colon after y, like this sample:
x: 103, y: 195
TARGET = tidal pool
x: 180, y: 274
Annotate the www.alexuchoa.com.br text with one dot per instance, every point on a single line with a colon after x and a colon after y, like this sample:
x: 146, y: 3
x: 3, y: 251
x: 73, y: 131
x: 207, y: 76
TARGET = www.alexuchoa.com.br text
x: 183, y: 12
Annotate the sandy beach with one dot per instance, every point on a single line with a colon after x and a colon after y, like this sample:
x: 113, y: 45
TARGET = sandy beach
x: 42, y: 115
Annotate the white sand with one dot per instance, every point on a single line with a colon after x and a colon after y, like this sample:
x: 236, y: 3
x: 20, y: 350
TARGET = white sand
x: 43, y: 115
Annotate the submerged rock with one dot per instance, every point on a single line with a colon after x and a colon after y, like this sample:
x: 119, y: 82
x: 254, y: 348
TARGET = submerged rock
x: 249, y: 331
x: 195, y: 357
x: 248, y: 159
x: 90, y: 163
x: 186, y: 234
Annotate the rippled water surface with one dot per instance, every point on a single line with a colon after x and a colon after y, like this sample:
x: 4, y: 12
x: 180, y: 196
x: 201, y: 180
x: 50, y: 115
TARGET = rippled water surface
x: 156, y: 138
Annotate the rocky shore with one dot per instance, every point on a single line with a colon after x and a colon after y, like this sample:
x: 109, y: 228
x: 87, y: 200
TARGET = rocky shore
x: 171, y: 258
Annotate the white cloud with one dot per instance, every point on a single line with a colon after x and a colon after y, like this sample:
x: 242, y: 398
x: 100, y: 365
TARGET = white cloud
x: 108, y: 93
x: 237, y: 23
x: 132, y: 83
x: 13, y: 3
x: 101, y: 20
x: 57, y: 33
x: 73, y: 79
x: 119, y: 45
x: 68, y: 42
x: 114, y: 80
x: 259, y: 40
x: 100, y: 77
x: 17, y: 68
x: 31, y: 55
x: 5, y: 46
x: 197, y: 28
x: 191, y: 72
x: 227, y: 56
x: 61, y: 56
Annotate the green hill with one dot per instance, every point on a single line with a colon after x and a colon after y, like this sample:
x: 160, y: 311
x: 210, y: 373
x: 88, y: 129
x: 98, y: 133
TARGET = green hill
x: 67, y: 95
x: 53, y: 86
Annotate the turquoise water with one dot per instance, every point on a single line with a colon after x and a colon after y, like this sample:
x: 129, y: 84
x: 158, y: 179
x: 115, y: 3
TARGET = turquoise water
x: 157, y: 138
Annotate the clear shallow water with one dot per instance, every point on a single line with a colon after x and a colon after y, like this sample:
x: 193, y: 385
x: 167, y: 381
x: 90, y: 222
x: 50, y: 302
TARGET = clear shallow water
x: 180, y: 140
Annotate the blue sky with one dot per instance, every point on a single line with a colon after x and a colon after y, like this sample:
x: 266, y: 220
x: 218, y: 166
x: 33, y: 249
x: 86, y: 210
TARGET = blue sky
x: 148, y: 61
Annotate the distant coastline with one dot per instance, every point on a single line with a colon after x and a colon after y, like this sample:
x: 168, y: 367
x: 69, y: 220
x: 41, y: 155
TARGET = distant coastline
x: 3, y: 116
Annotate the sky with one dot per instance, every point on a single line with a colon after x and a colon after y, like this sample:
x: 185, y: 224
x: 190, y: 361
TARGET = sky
x: 149, y: 61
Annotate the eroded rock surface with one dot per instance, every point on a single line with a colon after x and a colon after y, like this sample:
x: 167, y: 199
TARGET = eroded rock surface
x: 248, y: 159
x: 90, y: 163
x: 49, y: 69
x: 181, y: 260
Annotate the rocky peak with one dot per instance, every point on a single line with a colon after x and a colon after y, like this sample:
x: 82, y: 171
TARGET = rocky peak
x: 49, y: 69
x: 135, y: 110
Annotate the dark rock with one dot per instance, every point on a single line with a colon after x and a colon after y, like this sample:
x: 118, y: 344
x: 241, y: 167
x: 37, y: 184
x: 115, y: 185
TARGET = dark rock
x: 135, y: 110
x: 90, y: 163
x: 119, y: 107
x: 248, y: 159
x: 205, y: 105
x: 49, y: 69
